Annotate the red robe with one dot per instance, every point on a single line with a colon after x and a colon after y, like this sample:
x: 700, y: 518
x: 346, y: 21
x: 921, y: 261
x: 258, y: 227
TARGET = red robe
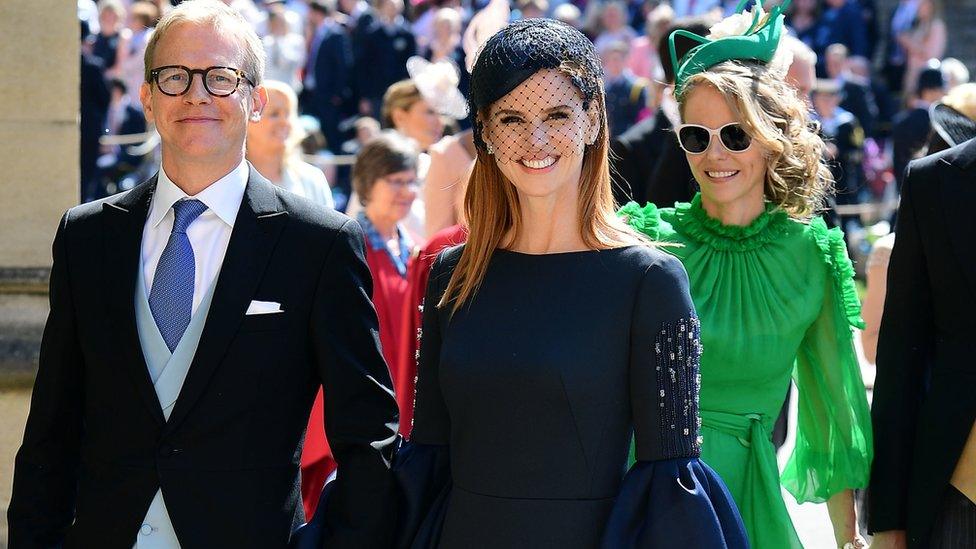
x: 390, y: 291
x: 404, y: 370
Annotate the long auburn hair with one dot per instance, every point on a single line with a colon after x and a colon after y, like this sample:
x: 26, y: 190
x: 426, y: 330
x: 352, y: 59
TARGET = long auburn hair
x: 492, y: 210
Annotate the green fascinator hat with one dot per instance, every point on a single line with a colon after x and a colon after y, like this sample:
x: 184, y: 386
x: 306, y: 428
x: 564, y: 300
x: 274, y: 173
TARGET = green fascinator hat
x: 744, y: 36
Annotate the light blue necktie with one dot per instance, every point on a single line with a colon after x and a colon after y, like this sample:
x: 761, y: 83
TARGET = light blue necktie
x: 171, y: 297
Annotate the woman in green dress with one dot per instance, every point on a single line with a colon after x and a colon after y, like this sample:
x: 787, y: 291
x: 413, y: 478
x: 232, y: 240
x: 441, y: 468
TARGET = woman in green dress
x: 772, y: 286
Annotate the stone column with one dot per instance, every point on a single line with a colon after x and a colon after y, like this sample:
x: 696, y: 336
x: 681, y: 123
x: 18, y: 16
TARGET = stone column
x: 38, y: 164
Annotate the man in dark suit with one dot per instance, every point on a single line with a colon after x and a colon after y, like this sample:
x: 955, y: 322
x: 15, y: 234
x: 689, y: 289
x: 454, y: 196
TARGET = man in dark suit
x: 923, y: 480
x: 328, y: 83
x: 95, y: 98
x: 911, y: 127
x: 192, y: 321
x: 381, y: 57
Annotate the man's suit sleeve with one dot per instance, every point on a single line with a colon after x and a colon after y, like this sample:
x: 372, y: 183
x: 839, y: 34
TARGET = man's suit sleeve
x: 46, y: 467
x: 360, y: 410
x: 903, y: 345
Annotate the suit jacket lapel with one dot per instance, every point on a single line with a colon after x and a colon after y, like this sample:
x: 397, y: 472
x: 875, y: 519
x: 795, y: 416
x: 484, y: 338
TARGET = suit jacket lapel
x: 958, y: 187
x: 125, y: 218
x: 256, y: 230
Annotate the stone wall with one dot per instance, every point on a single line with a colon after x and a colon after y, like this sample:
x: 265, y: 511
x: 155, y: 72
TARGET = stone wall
x: 38, y: 164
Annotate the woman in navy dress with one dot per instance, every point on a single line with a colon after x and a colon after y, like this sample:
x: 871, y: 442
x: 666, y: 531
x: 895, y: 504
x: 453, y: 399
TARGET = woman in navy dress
x: 553, y: 337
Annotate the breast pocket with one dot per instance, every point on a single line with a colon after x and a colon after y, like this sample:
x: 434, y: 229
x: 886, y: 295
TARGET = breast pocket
x: 264, y: 322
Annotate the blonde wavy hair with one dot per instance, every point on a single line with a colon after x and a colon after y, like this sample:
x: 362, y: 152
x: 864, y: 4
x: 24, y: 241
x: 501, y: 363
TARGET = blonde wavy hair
x: 491, y: 208
x: 769, y: 109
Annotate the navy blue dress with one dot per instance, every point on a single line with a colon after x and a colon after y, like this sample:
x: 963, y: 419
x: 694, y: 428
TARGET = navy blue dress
x: 529, y: 396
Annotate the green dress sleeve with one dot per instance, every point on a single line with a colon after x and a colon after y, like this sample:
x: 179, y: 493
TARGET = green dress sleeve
x: 833, y: 443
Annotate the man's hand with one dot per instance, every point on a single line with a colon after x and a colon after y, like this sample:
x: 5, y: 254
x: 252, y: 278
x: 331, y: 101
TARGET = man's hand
x: 890, y: 539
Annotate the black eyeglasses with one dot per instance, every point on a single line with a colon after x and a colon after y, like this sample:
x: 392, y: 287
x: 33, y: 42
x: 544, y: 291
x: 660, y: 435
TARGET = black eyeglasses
x: 694, y: 139
x: 174, y: 80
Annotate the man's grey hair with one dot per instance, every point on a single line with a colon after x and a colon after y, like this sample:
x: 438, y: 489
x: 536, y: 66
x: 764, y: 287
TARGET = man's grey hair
x: 224, y: 20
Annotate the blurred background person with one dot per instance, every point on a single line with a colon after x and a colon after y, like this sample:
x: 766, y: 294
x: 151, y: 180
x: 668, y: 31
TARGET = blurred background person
x: 626, y: 94
x: 856, y: 94
x: 925, y: 40
x: 843, y: 138
x: 385, y: 173
x: 273, y: 147
x: 910, y: 128
x: 532, y: 9
x: 365, y: 129
x: 111, y: 30
x: 385, y: 176
x: 802, y: 74
x: 451, y: 159
x: 418, y: 108
x: 645, y: 60
x: 381, y: 59
x: 284, y: 48
x: 840, y: 23
x: 422, y: 14
x: 407, y: 111
x: 569, y: 14
x: 132, y: 47
x: 95, y: 98
x: 613, y: 25
x: 686, y: 8
x: 327, y: 91
x: 803, y: 18
x: 445, y: 46
x: 648, y: 164
x: 118, y: 165
x: 895, y: 59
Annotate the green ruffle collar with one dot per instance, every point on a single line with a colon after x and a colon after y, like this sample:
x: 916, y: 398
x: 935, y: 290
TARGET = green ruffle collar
x: 691, y: 219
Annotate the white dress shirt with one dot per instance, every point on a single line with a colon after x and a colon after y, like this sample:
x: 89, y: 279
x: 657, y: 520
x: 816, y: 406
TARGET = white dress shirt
x: 208, y: 234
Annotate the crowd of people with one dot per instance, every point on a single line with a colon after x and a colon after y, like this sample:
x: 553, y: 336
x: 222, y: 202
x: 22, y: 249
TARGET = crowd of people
x: 356, y: 67
x: 876, y: 76
x: 661, y: 188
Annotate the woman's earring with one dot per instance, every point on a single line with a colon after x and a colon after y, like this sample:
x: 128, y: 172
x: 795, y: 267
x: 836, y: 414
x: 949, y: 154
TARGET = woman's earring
x: 491, y: 150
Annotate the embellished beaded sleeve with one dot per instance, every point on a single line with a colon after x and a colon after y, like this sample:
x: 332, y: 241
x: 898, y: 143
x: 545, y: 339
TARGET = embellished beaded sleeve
x: 664, y: 376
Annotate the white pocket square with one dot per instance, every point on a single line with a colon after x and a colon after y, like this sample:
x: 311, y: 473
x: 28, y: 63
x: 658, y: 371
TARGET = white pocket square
x: 263, y: 308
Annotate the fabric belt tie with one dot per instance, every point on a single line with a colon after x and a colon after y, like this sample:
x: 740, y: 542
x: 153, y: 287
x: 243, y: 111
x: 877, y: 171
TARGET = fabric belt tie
x: 761, y: 492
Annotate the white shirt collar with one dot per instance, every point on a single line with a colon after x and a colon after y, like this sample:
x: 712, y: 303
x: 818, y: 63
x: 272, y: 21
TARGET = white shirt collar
x: 223, y: 196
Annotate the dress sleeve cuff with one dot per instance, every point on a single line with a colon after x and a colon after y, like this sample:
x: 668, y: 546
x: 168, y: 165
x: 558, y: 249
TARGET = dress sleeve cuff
x: 674, y: 503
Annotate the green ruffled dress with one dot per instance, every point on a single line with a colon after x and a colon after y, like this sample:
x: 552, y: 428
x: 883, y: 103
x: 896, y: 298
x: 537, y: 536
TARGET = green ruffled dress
x: 776, y: 299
